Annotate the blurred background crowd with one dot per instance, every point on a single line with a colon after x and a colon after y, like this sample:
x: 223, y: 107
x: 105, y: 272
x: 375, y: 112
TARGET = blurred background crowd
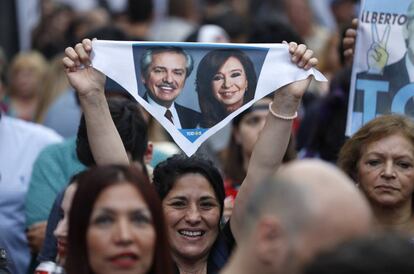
x: 35, y: 33
x: 34, y: 87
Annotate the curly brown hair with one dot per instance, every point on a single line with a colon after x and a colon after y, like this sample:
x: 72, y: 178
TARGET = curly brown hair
x: 378, y: 128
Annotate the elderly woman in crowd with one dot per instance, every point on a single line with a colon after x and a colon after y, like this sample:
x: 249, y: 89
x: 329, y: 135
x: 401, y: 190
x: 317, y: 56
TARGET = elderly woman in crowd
x: 380, y: 158
x: 191, y: 189
x: 116, y: 224
x: 226, y: 79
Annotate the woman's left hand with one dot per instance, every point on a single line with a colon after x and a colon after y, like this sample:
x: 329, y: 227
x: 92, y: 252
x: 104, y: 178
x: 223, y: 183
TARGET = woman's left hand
x: 302, y: 56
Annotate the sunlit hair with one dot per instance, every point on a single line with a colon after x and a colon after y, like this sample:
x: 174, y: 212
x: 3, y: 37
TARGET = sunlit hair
x: 212, y: 110
x: 146, y: 58
x: 380, y: 127
x: 90, y: 186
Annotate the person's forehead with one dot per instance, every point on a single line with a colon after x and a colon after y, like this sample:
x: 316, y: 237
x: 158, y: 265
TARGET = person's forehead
x: 121, y: 196
x: 396, y: 143
x: 233, y: 61
x: 192, y: 184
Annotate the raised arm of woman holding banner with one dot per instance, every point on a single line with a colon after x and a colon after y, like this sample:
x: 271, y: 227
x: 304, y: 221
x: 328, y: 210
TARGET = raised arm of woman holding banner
x: 266, y: 158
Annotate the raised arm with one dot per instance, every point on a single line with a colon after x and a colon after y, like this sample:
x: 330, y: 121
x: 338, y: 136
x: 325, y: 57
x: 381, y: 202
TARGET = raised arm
x: 89, y: 84
x: 274, y: 138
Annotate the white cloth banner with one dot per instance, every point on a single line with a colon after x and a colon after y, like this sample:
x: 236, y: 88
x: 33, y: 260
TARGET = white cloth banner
x: 383, y: 69
x: 195, y: 89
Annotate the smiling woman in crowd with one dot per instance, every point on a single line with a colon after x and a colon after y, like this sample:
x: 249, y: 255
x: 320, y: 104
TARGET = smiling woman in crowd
x: 192, y: 194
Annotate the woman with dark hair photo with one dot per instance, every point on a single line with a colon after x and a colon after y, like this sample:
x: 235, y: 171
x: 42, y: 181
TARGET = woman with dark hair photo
x: 226, y: 80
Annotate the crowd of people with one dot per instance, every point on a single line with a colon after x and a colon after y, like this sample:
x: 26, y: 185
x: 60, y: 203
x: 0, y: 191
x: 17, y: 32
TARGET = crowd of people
x: 87, y: 182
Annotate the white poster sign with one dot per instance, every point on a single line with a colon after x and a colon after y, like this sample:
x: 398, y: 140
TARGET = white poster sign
x: 383, y: 69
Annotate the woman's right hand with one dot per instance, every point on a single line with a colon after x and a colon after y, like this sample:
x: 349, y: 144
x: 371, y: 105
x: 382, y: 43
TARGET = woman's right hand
x: 81, y: 75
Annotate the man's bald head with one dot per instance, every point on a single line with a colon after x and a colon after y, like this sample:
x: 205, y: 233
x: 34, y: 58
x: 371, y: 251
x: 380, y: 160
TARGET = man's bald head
x: 337, y: 210
x: 325, y: 186
x: 315, y: 204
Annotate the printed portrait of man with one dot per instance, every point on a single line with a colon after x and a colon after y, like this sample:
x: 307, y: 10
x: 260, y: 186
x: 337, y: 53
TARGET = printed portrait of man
x: 394, y: 76
x: 164, y: 71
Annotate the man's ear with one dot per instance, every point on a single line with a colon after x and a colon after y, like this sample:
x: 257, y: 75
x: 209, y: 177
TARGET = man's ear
x: 270, y: 240
x: 148, y: 153
x: 143, y: 79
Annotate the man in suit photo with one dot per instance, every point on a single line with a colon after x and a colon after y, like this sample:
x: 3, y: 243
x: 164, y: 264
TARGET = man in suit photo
x: 164, y: 71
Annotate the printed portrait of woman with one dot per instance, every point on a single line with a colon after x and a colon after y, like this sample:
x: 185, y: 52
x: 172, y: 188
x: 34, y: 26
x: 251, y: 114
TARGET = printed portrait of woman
x: 226, y: 80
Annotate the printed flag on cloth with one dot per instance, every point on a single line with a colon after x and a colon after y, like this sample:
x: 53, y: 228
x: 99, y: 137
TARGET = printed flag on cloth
x: 195, y: 89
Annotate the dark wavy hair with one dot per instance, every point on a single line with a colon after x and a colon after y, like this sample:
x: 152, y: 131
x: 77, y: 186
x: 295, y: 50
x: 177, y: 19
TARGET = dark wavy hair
x: 90, y: 186
x: 131, y: 127
x: 169, y: 171
x: 212, y: 110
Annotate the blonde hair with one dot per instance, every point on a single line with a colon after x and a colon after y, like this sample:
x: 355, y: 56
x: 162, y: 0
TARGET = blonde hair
x: 32, y: 60
x: 56, y: 83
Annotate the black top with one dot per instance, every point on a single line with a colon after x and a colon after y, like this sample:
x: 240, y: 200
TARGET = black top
x: 220, y: 251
